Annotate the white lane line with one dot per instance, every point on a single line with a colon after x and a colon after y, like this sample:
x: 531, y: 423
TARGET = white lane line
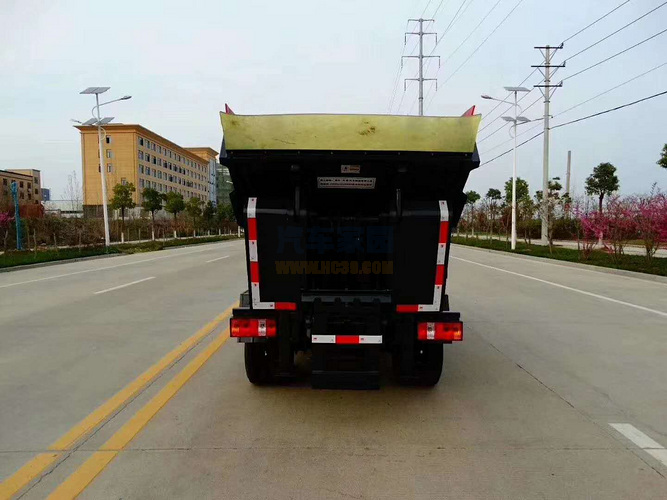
x: 219, y: 258
x: 104, y: 268
x: 123, y: 286
x: 653, y: 448
x: 543, y: 262
x: 583, y: 292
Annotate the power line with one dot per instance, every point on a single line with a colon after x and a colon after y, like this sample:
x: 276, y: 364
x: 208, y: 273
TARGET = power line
x: 596, y: 21
x: 511, y: 106
x: 398, y: 72
x: 503, y: 126
x: 512, y: 139
x: 510, y: 150
x: 473, y: 31
x: 615, y: 32
x: 615, y: 55
x: 579, y: 120
x: 429, y: 3
x: 610, y: 110
x: 483, y: 42
x: 454, y: 18
x: 436, y: 9
x: 613, y: 88
x: 579, y: 104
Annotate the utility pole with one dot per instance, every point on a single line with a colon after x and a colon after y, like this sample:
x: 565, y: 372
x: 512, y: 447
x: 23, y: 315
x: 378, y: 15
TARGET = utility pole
x: 547, y: 52
x: 421, y: 58
x: 567, y: 174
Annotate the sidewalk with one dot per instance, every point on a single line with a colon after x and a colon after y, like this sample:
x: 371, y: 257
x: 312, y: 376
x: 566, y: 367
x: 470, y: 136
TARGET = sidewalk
x: 628, y: 249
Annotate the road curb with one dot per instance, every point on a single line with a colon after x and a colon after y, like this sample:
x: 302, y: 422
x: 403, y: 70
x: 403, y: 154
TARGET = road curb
x: 588, y: 267
x: 102, y: 256
x: 61, y: 261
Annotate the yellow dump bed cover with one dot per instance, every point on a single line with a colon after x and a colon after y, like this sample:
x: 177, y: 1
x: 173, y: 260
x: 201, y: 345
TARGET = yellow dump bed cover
x: 443, y: 134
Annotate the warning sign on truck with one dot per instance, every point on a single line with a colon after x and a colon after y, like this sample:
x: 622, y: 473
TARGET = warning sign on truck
x: 346, y: 182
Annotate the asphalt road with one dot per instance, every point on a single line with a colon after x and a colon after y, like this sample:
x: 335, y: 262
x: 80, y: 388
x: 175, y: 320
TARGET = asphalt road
x: 99, y: 399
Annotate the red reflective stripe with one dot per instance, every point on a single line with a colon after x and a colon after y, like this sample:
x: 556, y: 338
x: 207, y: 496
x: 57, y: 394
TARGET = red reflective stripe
x: 444, y: 232
x: 347, y: 339
x: 254, y: 272
x: 286, y: 306
x: 252, y: 229
x: 407, y: 309
x: 440, y: 275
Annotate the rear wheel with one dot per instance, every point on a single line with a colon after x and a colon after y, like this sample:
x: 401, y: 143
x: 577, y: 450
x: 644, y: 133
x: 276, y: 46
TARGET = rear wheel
x: 428, y: 364
x: 424, y: 369
x: 259, y: 361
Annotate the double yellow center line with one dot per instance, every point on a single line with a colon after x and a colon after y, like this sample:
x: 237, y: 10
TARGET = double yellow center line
x: 94, y: 465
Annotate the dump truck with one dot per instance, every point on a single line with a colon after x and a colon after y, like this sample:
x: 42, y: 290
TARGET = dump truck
x: 347, y: 222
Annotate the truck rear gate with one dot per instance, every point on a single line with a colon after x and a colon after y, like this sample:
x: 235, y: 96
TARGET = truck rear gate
x: 347, y: 249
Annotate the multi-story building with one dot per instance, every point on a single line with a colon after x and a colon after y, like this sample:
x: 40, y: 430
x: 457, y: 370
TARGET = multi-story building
x: 224, y: 185
x: 134, y: 154
x: 211, y: 156
x: 29, y: 182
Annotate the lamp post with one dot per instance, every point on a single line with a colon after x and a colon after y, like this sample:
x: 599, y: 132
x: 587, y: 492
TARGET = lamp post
x: 516, y: 121
x: 97, y: 119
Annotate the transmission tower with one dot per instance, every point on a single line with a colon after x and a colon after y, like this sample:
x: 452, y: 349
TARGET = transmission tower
x: 547, y: 90
x: 421, y: 58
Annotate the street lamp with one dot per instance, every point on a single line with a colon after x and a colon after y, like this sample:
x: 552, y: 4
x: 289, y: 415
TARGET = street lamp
x: 97, y: 119
x: 516, y: 121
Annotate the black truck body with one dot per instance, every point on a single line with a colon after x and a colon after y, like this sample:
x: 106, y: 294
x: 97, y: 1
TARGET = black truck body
x: 347, y: 254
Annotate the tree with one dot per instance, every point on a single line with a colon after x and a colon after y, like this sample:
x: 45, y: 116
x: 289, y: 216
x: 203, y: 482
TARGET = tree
x: 193, y: 208
x: 208, y: 214
x: 554, y: 201
x: 122, y: 200
x: 73, y: 192
x: 152, y: 203
x: 493, y: 196
x: 663, y: 157
x: 174, y: 203
x: 601, y: 182
x: 522, y: 190
x: 472, y: 197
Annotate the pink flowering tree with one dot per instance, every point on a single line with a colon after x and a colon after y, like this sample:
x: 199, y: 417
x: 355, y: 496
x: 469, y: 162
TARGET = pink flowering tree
x: 5, y: 225
x: 650, y: 213
x: 617, y: 226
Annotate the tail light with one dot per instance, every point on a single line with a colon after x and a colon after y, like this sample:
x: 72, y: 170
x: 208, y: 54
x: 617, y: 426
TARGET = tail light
x: 449, y: 332
x: 250, y: 327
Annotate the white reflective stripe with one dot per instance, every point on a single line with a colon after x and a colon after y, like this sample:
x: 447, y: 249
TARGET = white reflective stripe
x: 437, y: 294
x: 442, y: 248
x: 429, y: 307
x: 252, y: 250
x: 430, y: 331
x: 252, y: 206
x: 261, y: 327
x: 444, y: 211
x: 324, y: 339
x: 370, y: 339
x: 256, y: 301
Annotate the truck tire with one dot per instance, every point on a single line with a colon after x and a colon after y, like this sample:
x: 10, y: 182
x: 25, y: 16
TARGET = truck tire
x: 258, y: 363
x: 428, y: 364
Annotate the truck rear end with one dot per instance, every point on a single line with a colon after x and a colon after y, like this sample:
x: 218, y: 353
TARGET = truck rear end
x: 347, y: 224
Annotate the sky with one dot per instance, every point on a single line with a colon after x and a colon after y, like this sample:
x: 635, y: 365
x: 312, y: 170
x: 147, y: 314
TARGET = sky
x: 181, y: 62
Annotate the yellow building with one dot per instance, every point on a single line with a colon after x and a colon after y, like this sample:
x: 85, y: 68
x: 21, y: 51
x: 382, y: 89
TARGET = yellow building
x: 134, y: 154
x: 29, y: 183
